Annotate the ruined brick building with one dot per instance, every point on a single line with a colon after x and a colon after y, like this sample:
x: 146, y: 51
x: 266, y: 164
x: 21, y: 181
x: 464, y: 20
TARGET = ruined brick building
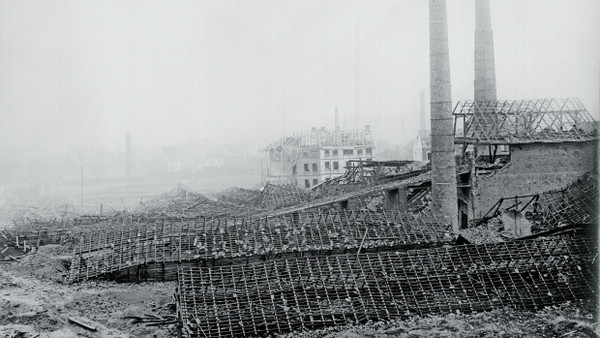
x: 511, y: 148
x: 532, y: 147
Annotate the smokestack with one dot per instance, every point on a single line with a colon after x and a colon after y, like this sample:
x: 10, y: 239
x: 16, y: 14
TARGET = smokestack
x: 484, y: 83
x: 357, y: 75
x: 82, y: 185
x: 337, y: 119
x: 443, y: 173
x: 422, y: 112
x: 128, y: 152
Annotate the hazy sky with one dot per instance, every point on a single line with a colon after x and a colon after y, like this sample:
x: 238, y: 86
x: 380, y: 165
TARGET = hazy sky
x: 172, y: 71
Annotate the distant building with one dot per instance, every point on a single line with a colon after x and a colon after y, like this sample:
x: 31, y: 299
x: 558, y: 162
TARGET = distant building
x: 310, y: 158
x: 422, y: 146
x: 213, y: 163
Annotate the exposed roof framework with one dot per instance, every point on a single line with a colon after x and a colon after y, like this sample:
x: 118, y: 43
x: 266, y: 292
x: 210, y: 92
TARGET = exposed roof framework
x: 176, y: 200
x: 364, y: 174
x: 323, y: 138
x: 274, y: 196
x: 182, y: 202
x: 523, y: 121
x: 240, y: 196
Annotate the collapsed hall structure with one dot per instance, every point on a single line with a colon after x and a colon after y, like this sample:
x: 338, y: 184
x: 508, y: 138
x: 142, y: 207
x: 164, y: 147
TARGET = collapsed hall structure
x: 529, y: 147
x: 504, y: 215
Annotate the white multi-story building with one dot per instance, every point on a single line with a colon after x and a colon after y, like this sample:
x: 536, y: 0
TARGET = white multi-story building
x: 309, y: 158
x: 422, y: 146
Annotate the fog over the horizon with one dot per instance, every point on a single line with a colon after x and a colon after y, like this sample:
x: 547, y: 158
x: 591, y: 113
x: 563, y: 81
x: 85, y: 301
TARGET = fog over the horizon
x: 79, y: 73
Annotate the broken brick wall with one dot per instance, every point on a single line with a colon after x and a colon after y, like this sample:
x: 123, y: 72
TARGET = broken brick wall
x: 534, y: 168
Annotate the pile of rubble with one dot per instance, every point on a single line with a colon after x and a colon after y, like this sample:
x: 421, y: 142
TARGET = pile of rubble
x: 281, y: 260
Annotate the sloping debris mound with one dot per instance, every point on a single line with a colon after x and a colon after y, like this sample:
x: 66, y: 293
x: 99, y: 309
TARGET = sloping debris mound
x: 221, y: 240
x: 285, y: 295
x: 44, y: 264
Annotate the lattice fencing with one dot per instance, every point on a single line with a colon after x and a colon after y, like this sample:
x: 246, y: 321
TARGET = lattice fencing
x: 285, y: 295
x: 123, y: 248
x: 576, y: 204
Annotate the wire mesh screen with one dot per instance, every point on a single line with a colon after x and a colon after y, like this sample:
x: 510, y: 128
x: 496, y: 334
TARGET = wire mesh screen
x: 308, y: 293
x: 122, y: 248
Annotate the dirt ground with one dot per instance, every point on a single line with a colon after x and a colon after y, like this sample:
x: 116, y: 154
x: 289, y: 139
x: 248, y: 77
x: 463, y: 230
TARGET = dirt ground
x: 34, y: 303
x: 575, y: 319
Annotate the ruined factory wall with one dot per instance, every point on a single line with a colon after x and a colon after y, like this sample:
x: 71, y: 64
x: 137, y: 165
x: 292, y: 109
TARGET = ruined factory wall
x: 533, y: 169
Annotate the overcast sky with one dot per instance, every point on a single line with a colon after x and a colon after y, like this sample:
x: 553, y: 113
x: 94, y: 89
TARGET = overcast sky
x: 85, y: 72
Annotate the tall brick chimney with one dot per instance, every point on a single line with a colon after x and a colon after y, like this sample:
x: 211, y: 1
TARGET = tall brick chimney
x: 422, y: 112
x: 485, y: 69
x: 443, y: 180
x: 128, y: 154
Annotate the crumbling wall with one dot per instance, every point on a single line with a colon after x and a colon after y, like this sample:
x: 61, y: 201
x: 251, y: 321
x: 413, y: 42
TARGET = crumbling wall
x: 534, y: 168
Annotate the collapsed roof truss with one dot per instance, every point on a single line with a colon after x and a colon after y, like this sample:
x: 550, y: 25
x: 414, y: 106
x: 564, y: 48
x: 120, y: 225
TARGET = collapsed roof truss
x: 523, y: 121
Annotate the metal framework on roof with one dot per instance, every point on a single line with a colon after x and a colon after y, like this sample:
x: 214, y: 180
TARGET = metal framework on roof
x: 274, y: 196
x: 323, y: 138
x: 523, y: 121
